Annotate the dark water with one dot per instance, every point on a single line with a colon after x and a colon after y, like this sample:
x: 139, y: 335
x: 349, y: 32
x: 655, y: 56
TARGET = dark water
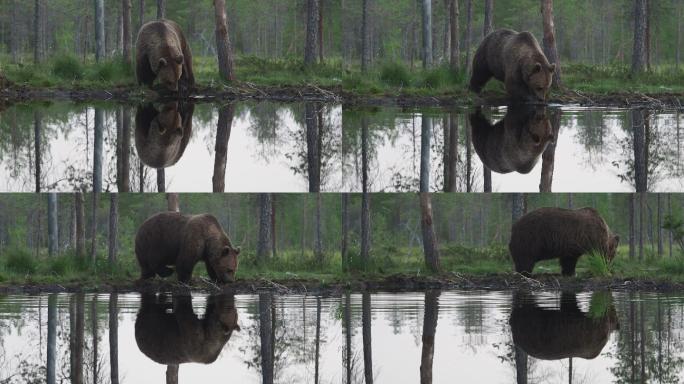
x: 450, y: 336
x: 297, y: 147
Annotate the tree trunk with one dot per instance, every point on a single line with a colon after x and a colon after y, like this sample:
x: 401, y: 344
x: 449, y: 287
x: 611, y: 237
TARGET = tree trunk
x: 425, y: 132
x: 318, y: 337
x: 141, y: 14
x: 640, y: 151
x: 99, y: 31
x: 224, y: 48
x: 639, y: 50
x: 365, y: 197
x: 643, y: 211
x: 94, y: 344
x: 318, y: 251
x: 427, y: 33
x: 452, y: 158
x: 172, y: 373
x: 266, y: 337
x: 468, y: 34
x: 454, y: 43
x: 365, y: 37
x: 93, y: 229
x: 669, y: 213
x: 113, y: 338
x: 432, y: 261
x: 345, y: 232
x: 520, y: 365
x: 518, y: 207
x: 223, y: 129
x: 161, y: 9
x: 347, y: 338
x: 113, y: 227
x: 123, y: 149
x: 313, y: 150
x: 14, y: 31
x: 549, y: 156
x: 76, y: 337
x: 51, y: 338
x: 80, y: 224
x: 98, y: 150
x: 37, y: 134
x: 659, y: 226
x: 320, y: 31
x: 488, y: 17
x: 366, y: 331
x: 53, y: 228
x: 632, y: 225
x: 486, y: 179
x: 126, y: 30
x: 311, y: 32
x: 430, y: 315
x: 173, y: 202
x: 274, y: 232
x: 264, y: 241
x: 161, y: 180
x: 549, y: 40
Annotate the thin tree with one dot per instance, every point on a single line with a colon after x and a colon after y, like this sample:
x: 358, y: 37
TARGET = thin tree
x: 639, y: 50
x: 365, y: 197
x: 93, y: 229
x: 318, y: 240
x: 320, y: 31
x: 113, y: 227
x: 549, y: 40
x: 427, y: 33
x: 161, y: 9
x: 123, y: 150
x: 98, y: 150
x: 99, y: 31
x: 549, y: 156
x: 53, y: 228
x: 80, y: 224
x: 161, y: 180
x: 366, y: 334
x: 113, y: 338
x: 264, y: 242
x: 488, y: 26
x: 126, y: 30
x: 37, y: 148
x: 430, y: 315
x: 51, y: 339
x: 643, y: 211
x: 223, y: 128
x: 659, y: 227
x: 141, y: 14
x: 266, y: 336
x: 451, y: 162
x: 640, y: 151
x: 313, y: 150
x: 318, y: 337
x: 632, y: 225
x: 224, y: 48
x: 345, y: 232
x: 274, y: 240
x: 429, y: 239
x: 94, y: 343
x: 172, y: 202
x: 454, y: 43
x: 468, y: 34
x: 39, y: 32
x: 518, y: 206
x: 365, y: 37
x: 14, y: 31
x: 311, y: 32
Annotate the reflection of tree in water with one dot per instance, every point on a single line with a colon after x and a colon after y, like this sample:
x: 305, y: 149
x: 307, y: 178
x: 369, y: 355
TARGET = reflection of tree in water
x: 264, y: 120
x: 592, y: 129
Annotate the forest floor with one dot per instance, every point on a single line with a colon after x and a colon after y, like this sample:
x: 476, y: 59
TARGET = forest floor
x: 286, y: 80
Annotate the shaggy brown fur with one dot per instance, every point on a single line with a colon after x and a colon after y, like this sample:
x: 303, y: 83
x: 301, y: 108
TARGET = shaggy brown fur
x: 161, y: 52
x: 161, y: 136
x: 171, y: 332
x: 514, y: 143
x: 552, y: 334
x: 171, y: 239
x: 566, y: 234
x: 517, y: 60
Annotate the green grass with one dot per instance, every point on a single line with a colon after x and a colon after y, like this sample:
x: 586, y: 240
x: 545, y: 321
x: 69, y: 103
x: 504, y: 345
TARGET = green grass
x: 20, y: 266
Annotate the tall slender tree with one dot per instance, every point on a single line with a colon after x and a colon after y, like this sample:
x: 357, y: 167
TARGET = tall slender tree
x: 454, y: 43
x: 161, y: 9
x: 311, y: 32
x: 99, y: 31
x: 80, y: 224
x: 468, y: 34
x: 266, y: 336
x: 430, y: 315
x: 264, y: 240
x: 223, y: 128
x: 549, y: 40
x: 318, y: 235
x: 126, y: 30
x: 113, y: 227
x: 365, y: 197
x: 488, y: 26
x: 37, y: 148
x: 429, y: 239
x: 51, y: 339
x: 639, y: 50
x: 39, y: 31
x: 632, y: 225
x: 366, y: 334
x: 345, y: 232
x: 53, y: 237
x: 114, y: 338
x: 427, y: 33
x: 365, y: 36
x: 224, y: 48
x: 173, y: 202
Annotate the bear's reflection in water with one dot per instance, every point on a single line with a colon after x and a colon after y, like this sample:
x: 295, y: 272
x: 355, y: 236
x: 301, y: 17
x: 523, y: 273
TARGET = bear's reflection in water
x: 552, y: 334
x: 161, y: 135
x: 169, y: 332
x: 514, y: 143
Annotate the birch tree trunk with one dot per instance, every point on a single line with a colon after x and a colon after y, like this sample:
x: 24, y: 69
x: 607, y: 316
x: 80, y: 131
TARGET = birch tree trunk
x: 365, y: 197
x: 80, y: 224
x: 113, y: 227
x: 454, y: 43
x: 549, y: 40
x: 427, y: 33
x: 99, y: 31
x: 224, y: 48
x: 53, y: 228
x: 113, y: 338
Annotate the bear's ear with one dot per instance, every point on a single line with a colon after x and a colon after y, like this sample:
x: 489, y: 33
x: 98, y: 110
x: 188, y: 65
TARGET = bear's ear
x: 537, y: 68
x: 179, y: 59
x: 552, y: 68
x: 162, y: 62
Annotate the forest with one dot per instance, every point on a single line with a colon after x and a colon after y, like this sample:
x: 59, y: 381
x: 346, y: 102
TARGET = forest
x: 366, y: 47
x: 90, y: 237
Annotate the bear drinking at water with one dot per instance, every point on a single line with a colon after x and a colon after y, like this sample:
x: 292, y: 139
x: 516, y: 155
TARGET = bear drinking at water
x: 161, y: 135
x: 162, y: 53
x: 170, y: 239
x: 557, y: 233
x: 515, y: 59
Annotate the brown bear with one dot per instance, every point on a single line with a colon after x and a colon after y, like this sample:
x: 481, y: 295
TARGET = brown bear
x: 161, y: 52
x: 552, y: 334
x: 515, y: 59
x: 566, y: 234
x: 169, y: 332
x: 514, y: 143
x: 172, y: 239
x: 161, y: 136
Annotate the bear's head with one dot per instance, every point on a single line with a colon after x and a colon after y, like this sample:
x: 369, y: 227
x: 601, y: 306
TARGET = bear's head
x: 613, y: 243
x: 169, y: 71
x: 538, y: 77
x: 225, y: 264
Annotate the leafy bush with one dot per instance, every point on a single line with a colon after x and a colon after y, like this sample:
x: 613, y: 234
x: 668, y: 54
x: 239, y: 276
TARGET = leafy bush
x: 600, y: 304
x: 395, y: 74
x: 598, y: 265
x: 67, y: 67
x: 20, y: 261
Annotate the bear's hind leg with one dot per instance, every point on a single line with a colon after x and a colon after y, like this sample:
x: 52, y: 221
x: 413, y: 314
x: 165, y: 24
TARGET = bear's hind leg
x: 568, y: 265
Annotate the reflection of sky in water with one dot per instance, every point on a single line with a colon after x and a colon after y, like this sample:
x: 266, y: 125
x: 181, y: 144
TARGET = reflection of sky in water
x: 267, y: 152
x: 473, y: 339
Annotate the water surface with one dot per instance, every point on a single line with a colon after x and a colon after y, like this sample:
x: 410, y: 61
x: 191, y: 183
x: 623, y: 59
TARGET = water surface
x: 455, y: 336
